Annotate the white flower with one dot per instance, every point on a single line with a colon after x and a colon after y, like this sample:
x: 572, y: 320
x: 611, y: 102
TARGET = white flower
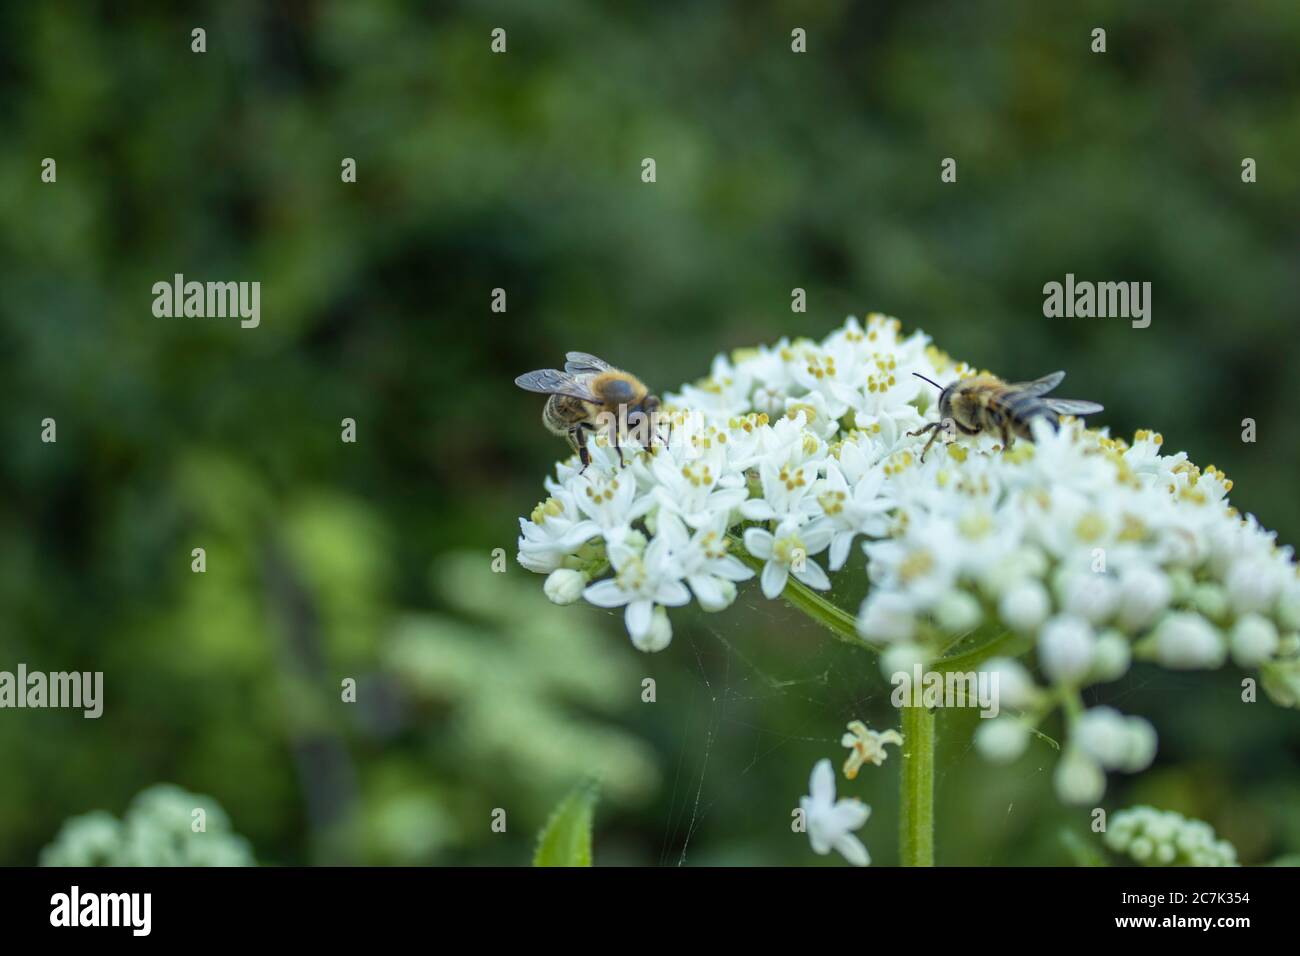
x: 1090, y: 596
x: 705, y: 563
x: 1141, y: 745
x: 698, y: 490
x: 611, y: 501
x: 831, y: 822
x: 1025, y: 607
x: 1111, y: 656
x: 1078, y: 778
x: 640, y: 582
x: 1144, y: 593
x: 659, y: 636
x: 1288, y: 606
x: 1002, y: 739
x: 564, y: 585
x: 901, y: 657
x: 787, y: 491
x: 866, y: 746
x: 851, y: 508
x: 1254, y: 640
x: 555, y: 530
x: 887, y: 616
x: 1065, y: 649
x: 1184, y: 641
x: 1103, y: 734
x: 820, y: 416
x: 1253, y: 585
x: 790, y: 551
x: 958, y: 611
x: 1016, y: 688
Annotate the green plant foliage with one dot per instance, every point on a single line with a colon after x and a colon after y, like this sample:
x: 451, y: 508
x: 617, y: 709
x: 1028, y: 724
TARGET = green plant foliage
x: 566, y: 838
x: 507, y: 671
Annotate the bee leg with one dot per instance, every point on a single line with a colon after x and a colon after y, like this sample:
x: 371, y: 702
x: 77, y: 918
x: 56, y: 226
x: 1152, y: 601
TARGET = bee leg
x: 578, y: 437
x: 933, y: 435
x: 1006, y: 438
x: 933, y: 429
x: 650, y: 409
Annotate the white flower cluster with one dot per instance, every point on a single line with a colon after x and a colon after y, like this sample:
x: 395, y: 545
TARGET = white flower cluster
x: 1164, y: 838
x: 157, y: 830
x: 1095, y: 551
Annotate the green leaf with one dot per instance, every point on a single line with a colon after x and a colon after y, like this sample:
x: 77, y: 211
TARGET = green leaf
x: 566, y: 838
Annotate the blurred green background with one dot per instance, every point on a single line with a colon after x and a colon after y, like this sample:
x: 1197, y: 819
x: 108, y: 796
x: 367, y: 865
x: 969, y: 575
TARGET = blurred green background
x: 522, y: 171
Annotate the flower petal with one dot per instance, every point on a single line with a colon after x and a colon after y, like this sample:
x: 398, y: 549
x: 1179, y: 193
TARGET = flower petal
x: 852, y: 849
x: 821, y: 784
x: 638, y: 617
x: 606, y: 593
x: 759, y: 543
x: 757, y: 509
x: 774, y: 578
x: 812, y: 575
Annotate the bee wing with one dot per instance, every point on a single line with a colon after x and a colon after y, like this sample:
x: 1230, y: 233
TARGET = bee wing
x: 550, y: 381
x: 577, y: 362
x: 1040, y: 386
x: 1071, y: 406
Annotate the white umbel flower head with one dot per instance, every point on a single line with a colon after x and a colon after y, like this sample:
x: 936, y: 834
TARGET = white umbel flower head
x: 1164, y: 838
x: 796, y: 458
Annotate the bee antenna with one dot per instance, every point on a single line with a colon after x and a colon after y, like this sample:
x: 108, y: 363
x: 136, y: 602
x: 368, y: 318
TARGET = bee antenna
x: 931, y: 381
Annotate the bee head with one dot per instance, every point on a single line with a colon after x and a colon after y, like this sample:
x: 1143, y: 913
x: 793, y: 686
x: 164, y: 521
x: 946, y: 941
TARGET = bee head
x: 945, y: 395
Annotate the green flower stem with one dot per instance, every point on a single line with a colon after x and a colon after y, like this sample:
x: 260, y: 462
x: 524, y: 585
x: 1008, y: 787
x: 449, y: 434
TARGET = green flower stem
x: 916, y: 789
x: 835, y: 619
x: 1006, y: 644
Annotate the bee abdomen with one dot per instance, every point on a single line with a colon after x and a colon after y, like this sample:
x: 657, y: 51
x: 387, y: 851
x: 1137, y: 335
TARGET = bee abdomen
x: 1019, y: 410
x: 561, y: 413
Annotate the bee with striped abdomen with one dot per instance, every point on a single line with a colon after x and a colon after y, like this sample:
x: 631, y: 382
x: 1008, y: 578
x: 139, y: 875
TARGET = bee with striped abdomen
x: 590, y: 395
x: 986, y: 403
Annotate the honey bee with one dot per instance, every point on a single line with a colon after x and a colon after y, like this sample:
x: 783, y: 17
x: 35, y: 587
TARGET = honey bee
x: 985, y: 402
x: 588, y: 395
